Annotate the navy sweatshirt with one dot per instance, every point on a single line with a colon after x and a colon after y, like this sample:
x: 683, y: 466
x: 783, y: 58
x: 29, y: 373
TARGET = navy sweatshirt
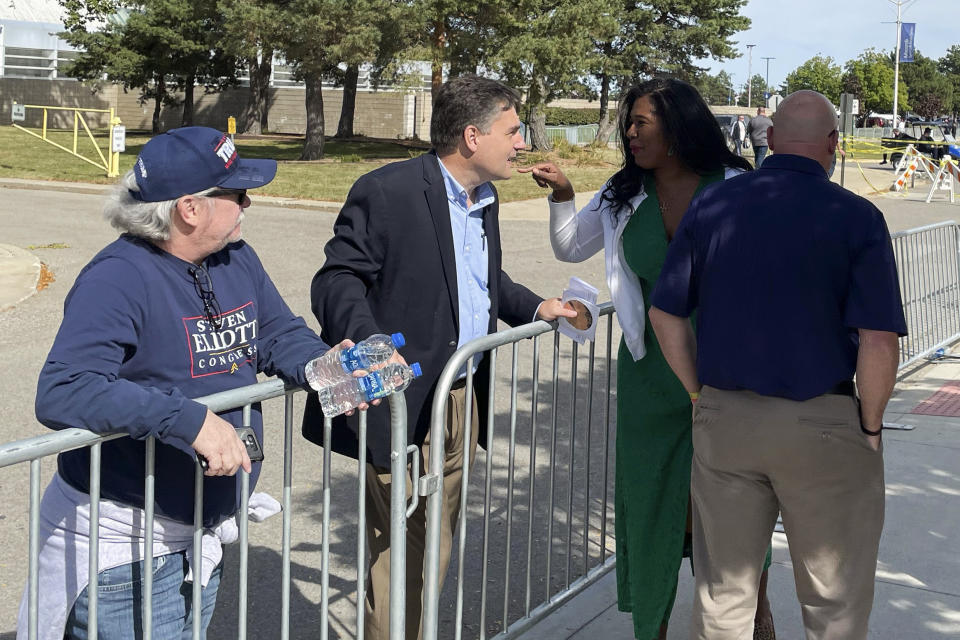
x: 135, y: 346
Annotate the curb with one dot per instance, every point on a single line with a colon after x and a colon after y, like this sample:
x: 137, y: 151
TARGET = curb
x: 103, y: 189
x: 19, y: 275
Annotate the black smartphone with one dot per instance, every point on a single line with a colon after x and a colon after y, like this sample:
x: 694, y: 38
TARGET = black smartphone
x: 249, y: 438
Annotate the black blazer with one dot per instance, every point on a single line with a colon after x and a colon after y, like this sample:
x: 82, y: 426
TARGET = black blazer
x: 390, y: 266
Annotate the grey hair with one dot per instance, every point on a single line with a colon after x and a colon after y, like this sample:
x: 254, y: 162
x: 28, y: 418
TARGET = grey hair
x: 147, y: 220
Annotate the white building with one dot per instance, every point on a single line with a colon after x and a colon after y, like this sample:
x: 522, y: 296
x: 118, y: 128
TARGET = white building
x: 29, y: 47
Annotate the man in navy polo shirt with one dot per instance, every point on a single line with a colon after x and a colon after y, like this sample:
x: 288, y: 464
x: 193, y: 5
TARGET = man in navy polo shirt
x: 795, y: 285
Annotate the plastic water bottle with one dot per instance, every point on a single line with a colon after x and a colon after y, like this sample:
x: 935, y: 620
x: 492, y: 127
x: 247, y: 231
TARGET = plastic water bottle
x: 338, y: 365
x: 345, y: 395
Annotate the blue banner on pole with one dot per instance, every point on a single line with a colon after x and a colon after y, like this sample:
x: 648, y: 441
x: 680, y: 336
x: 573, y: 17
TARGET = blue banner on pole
x: 907, y: 31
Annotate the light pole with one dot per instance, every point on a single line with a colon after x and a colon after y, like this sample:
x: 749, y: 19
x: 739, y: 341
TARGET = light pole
x: 766, y: 80
x: 896, y: 57
x: 750, y: 73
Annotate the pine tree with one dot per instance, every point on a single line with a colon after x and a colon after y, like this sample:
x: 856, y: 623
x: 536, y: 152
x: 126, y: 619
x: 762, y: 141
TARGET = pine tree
x: 251, y: 32
x: 663, y: 37
x: 930, y: 90
x: 149, y: 46
x: 317, y: 36
x: 546, y: 48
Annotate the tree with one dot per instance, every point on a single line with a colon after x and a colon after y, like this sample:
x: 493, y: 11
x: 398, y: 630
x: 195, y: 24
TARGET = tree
x: 252, y: 31
x: 148, y: 46
x: 458, y: 34
x: 318, y: 35
x: 819, y: 73
x: 97, y: 29
x: 396, y: 27
x: 546, y: 47
x: 662, y: 37
x: 870, y: 78
x: 193, y: 29
x: 930, y: 91
x: 756, y: 92
x: 716, y: 90
x: 949, y: 66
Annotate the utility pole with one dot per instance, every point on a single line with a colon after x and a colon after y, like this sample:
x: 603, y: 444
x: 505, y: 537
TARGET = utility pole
x: 896, y: 57
x: 766, y: 80
x: 750, y: 73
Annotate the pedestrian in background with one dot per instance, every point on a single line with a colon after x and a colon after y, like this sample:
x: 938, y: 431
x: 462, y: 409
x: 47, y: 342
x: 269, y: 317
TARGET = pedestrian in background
x: 757, y: 130
x: 738, y: 131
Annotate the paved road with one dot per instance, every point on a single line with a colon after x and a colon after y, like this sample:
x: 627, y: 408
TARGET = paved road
x: 290, y: 243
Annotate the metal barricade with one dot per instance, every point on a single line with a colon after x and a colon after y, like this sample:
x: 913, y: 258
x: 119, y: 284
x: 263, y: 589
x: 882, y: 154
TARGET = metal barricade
x: 33, y: 450
x: 577, y: 532
x: 928, y: 261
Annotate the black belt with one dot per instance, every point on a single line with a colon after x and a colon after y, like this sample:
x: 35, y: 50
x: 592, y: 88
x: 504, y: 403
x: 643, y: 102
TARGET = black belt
x: 844, y: 388
x: 459, y: 384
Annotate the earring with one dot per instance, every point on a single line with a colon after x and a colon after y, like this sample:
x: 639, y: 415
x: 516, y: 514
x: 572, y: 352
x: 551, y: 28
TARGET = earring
x: 670, y: 151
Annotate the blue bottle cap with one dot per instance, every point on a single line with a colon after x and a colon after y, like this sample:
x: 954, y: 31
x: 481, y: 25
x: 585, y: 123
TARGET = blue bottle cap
x: 398, y: 340
x: 415, y: 367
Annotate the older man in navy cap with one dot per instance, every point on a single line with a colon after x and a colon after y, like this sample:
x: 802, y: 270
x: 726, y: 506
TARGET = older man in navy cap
x: 176, y: 308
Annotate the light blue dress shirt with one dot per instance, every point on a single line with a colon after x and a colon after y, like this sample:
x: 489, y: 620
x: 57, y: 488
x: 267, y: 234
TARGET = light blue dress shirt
x: 470, y: 249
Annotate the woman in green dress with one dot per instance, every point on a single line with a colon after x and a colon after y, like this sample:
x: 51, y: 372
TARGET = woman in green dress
x: 672, y: 148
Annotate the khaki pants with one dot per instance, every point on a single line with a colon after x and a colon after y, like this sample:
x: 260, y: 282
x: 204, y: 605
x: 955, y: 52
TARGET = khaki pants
x: 755, y: 455
x: 377, y: 611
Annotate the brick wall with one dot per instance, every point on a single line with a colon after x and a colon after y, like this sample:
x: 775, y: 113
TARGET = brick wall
x: 54, y: 93
x: 382, y: 114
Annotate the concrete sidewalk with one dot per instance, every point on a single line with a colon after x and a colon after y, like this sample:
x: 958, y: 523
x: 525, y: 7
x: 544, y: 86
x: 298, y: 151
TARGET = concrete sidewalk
x: 19, y: 275
x: 918, y: 574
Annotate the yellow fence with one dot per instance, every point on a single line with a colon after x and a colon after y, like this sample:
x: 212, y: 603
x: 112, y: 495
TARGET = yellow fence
x: 109, y: 162
x: 870, y: 147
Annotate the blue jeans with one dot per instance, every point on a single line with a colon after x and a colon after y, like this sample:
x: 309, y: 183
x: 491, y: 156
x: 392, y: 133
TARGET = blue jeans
x: 120, y: 598
x: 759, y: 153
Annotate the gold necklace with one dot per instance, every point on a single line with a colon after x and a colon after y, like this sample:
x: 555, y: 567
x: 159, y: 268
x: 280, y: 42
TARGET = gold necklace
x: 664, y: 209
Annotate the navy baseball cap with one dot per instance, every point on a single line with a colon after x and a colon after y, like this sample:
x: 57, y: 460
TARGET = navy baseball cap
x: 194, y: 159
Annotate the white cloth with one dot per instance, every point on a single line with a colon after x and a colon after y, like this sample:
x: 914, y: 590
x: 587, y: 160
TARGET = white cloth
x: 65, y: 547
x: 578, y: 235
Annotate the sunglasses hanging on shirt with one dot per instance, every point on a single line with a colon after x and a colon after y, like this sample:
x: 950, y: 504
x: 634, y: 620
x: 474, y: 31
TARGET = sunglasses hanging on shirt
x: 203, y: 285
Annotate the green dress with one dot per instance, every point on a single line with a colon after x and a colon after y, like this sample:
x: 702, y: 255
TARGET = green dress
x: 654, y: 446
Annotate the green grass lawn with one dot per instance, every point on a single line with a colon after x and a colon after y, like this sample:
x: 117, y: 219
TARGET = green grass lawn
x: 24, y: 156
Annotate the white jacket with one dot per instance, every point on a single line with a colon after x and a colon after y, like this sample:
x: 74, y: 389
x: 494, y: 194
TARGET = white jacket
x: 578, y: 235
x: 738, y: 130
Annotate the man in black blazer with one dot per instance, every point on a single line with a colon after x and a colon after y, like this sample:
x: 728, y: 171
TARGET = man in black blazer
x: 416, y: 249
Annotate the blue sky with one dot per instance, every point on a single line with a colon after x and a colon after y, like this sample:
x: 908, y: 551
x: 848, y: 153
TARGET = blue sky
x: 793, y: 31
